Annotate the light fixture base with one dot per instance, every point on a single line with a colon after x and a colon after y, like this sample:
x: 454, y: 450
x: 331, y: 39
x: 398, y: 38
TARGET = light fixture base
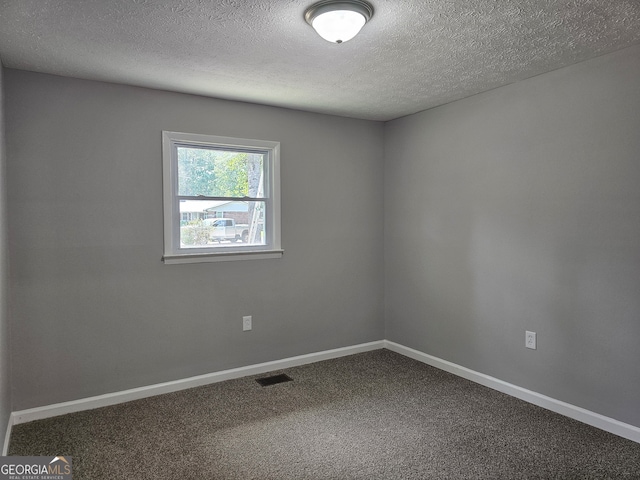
x: 318, y: 8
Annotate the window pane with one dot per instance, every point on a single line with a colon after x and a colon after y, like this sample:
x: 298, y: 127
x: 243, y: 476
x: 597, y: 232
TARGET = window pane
x: 220, y: 173
x: 212, y: 224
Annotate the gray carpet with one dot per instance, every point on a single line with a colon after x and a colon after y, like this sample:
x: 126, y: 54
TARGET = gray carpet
x: 376, y: 415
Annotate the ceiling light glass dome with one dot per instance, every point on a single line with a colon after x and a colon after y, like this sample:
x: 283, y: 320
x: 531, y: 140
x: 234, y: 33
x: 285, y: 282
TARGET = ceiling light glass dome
x: 338, y: 21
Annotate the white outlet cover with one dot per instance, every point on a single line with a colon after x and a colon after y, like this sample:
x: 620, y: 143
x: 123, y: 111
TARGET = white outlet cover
x: 530, y: 340
x: 246, y: 323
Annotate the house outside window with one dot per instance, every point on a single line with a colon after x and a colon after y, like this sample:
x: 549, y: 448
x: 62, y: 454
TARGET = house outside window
x: 221, y: 198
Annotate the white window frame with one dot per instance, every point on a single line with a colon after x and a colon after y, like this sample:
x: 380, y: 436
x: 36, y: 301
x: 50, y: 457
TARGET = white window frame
x: 173, y: 253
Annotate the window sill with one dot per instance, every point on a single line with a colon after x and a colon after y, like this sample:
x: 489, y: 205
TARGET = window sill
x: 221, y: 257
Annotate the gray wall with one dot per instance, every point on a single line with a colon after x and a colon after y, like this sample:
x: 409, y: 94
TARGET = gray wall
x: 96, y: 310
x: 513, y: 210
x: 519, y: 209
x: 5, y: 385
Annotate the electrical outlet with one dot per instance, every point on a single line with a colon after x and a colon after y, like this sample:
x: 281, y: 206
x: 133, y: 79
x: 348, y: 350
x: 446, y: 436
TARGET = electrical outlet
x: 246, y: 323
x: 530, y: 340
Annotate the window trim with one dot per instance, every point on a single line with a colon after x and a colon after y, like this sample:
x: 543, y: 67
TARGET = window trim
x: 172, y: 252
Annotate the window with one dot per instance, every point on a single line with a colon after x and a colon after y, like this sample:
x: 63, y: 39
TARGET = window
x: 221, y: 198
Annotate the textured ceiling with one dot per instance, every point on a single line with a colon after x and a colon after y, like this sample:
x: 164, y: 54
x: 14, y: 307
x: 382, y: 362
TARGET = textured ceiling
x: 411, y: 56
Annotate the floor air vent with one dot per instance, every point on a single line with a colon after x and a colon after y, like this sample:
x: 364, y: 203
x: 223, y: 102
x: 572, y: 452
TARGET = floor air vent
x: 266, y: 381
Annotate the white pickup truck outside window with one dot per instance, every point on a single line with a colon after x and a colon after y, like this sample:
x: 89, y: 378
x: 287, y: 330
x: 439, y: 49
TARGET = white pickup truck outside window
x: 221, y: 198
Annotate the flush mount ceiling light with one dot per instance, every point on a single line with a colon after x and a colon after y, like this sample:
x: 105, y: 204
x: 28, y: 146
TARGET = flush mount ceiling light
x: 338, y: 21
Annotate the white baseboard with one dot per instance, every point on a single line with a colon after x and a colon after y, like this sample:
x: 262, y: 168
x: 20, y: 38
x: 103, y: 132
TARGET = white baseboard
x: 611, y: 425
x: 7, y: 436
x: 89, y: 403
x: 594, y: 419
